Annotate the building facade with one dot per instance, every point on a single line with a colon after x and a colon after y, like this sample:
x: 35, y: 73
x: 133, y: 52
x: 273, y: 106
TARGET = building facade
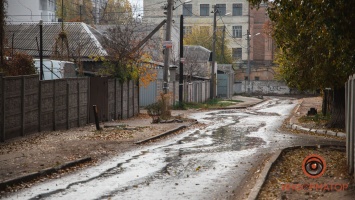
x: 238, y: 21
x: 24, y: 11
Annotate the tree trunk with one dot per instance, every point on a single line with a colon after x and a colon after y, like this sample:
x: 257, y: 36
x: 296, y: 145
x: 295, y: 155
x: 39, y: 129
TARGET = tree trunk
x: 337, y: 119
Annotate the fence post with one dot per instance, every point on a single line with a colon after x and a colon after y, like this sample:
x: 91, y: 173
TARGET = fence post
x: 2, y: 109
x: 39, y: 105
x: 115, y: 98
x: 78, y: 101
x: 68, y: 105
x: 351, y: 134
x: 22, y: 106
x: 54, y: 106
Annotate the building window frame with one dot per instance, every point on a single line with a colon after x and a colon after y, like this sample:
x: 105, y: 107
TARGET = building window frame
x: 237, y: 9
x: 187, y: 10
x: 222, y: 9
x: 204, y: 9
x: 237, y: 31
x: 237, y: 53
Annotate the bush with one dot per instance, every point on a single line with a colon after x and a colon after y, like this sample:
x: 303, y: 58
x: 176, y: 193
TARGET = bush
x: 19, y: 64
x: 154, y: 110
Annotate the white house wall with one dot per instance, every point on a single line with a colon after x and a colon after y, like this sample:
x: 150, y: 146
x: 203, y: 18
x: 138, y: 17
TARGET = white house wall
x: 24, y: 11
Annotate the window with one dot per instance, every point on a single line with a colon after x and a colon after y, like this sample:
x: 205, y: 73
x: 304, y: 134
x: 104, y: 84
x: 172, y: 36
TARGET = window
x: 245, y: 78
x: 187, y: 30
x: 221, y: 9
x: 257, y: 78
x: 204, y: 29
x: 237, y: 9
x: 204, y: 9
x: 237, y: 31
x: 237, y: 53
x: 187, y: 10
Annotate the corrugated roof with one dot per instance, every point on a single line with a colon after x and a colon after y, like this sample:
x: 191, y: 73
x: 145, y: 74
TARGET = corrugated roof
x: 196, y: 53
x: 26, y: 39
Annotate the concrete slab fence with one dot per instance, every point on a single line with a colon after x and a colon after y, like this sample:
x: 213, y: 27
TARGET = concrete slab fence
x: 28, y: 105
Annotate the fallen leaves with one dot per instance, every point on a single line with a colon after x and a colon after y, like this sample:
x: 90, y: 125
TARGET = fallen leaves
x: 288, y: 170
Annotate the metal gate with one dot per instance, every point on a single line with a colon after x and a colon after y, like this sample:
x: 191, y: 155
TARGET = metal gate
x: 222, y: 85
x: 148, y: 95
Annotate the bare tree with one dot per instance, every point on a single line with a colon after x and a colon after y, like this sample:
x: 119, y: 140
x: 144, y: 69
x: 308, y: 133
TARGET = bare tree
x: 125, y: 53
x: 196, y: 61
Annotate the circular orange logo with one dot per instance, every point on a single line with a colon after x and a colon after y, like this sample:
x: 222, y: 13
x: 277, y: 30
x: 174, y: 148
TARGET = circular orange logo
x: 314, y: 166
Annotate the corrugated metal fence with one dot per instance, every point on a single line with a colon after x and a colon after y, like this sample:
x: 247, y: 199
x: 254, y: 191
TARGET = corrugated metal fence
x: 197, y: 91
x: 349, y: 122
x: 28, y: 105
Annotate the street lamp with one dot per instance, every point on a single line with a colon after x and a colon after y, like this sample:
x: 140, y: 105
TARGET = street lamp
x: 248, y: 48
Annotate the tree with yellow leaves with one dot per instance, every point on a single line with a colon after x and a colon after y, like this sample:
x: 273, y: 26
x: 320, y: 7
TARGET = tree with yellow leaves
x: 203, y: 37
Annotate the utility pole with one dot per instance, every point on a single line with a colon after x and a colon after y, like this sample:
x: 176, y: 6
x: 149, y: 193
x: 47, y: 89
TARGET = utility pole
x: 166, y: 50
x: 248, y: 49
x: 181, y: 69
x: 213, y: 75
x: 40, y: 50
x: 222, y: 50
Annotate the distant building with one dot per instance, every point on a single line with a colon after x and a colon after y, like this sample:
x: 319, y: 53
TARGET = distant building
x: 23, y: 11
x: 236, y: 16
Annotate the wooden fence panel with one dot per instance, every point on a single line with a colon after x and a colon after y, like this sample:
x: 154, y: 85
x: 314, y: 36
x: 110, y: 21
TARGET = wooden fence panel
x: 47, y: 102
x: 136, y: 99
x: 118, y: 100
x: 125, y: 100
x: 130, y: 99
x: 60, y: 104
x: 83, y: 86
x: 13, y: 107
x: 111, y: 100
x: 30, y: 104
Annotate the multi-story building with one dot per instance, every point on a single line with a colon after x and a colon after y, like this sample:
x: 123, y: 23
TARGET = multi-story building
x: 238, y: 20
x: 98, y: 7
x: 22, y: 11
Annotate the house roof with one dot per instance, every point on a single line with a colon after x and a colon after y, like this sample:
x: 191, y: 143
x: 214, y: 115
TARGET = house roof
x: 25, y: 38
x: 196, y: 53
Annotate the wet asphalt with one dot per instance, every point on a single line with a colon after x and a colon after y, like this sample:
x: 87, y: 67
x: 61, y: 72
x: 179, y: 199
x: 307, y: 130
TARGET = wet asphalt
x: 208, y: 163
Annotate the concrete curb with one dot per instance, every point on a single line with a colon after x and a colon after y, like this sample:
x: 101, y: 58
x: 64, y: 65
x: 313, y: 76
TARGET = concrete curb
x: 294, y: 126
x: 263, y: 175
x: 51, y: 170
x: 254, y: 193
x: 165, y: 133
